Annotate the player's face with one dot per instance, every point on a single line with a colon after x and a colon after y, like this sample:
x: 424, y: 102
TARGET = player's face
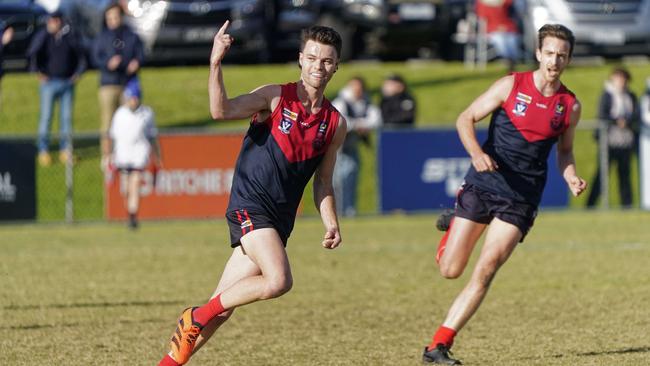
x: 553, y: 57
x: 318, y: 64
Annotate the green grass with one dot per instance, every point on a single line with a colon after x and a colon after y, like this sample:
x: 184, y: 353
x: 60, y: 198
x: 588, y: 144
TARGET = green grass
x: 179, y: 97
x: 575, y: 293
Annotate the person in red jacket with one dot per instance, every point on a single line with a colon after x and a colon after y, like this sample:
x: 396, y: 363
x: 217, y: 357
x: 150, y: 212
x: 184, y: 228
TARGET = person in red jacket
x: 502, y: 22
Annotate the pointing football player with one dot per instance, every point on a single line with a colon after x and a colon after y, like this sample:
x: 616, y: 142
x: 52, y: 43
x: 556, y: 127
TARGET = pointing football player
x: 294, y: 134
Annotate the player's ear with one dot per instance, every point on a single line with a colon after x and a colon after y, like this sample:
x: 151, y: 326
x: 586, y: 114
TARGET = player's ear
x: 300, y: 60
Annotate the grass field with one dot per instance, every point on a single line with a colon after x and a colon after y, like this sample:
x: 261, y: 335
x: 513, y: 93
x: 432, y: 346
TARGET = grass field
x: 575, y: 293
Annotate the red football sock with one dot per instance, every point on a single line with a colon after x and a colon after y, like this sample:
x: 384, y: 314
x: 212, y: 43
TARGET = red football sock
x: 168, y: 361
x: 205, y: 313
x: 445, y: 336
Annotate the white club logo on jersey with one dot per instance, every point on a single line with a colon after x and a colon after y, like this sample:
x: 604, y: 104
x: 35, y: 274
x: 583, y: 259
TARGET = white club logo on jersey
x: 285, y: 126
x: 289, y: 117
x: 520, y: 109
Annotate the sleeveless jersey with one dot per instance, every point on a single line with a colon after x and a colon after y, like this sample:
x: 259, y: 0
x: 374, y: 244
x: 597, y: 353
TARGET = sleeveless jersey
x: 279, y: 156
x: 520, y: 137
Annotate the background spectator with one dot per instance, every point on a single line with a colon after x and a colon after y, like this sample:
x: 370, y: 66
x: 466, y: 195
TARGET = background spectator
x: 132, y: 133
x: 362, y: 117
x: 397, y: 104
x: 619, y: 110
x: 118, y: 54
x: 502, y: 19
x: 645, y: 105
x: 644, y: 146
x: 56, y: 54
x: 6, y: 34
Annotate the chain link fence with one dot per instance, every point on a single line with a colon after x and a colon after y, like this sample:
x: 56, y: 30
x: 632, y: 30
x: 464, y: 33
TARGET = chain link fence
x: 75, y: 192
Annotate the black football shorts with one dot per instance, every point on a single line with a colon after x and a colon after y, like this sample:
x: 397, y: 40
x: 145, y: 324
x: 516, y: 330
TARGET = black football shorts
x: 480, y: 206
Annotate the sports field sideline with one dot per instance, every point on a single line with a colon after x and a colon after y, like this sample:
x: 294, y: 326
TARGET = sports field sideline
x: 575, y: 293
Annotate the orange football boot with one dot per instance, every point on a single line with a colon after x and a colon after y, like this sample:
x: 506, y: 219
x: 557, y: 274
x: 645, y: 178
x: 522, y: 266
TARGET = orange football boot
x: 184, y: 338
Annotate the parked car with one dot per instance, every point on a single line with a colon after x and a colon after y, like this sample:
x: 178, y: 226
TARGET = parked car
x: 25, y: 18
x: 601, y: 27
x: 394, y: 29
x: 182, y: 31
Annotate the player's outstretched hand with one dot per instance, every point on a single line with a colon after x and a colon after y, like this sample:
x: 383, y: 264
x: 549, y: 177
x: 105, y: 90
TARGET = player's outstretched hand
x: 484, y: 163
x: 221, y: 44
x: 577, y: 185
x: 332, y: 239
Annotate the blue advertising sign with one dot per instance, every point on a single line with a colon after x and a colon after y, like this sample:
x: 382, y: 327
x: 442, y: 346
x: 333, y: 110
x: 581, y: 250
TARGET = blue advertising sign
x: 423, y: 169
x: 17, y: 181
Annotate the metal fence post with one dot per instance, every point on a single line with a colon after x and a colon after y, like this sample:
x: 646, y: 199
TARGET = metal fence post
x: 603, y: 161
x: 69, y: 182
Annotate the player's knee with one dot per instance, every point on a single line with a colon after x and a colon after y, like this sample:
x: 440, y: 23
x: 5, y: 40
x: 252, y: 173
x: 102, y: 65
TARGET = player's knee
x: 277, y: 286
x: 450, y: 270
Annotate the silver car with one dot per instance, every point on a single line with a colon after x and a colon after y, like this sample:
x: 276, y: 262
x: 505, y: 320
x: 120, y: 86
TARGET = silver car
x: 601, y: 27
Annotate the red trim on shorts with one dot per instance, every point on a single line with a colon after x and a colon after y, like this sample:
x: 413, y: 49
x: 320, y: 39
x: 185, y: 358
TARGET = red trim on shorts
x: 249, y: 219
x: 243, y: 230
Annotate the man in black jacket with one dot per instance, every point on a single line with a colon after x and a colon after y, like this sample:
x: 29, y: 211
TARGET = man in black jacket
x: 56, y: 54
x: 397, y: 105
x: 619, y: 110
x: 118, y: 54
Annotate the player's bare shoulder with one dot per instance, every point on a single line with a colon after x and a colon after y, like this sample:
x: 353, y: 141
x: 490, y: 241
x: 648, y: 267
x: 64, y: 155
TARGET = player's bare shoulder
x: 576, y: 111
x: 342, y: 128
x: 271, y: 93
x: 502, y: 87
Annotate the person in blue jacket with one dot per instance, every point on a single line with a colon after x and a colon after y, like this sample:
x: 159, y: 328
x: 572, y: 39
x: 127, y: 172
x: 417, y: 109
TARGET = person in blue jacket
x: 56, y: 54
x: 118, y: 53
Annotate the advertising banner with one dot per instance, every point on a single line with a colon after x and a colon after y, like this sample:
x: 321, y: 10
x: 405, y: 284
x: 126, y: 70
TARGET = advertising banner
x: 423, y: 169
x: 194, y: 181
x: 17, y: 181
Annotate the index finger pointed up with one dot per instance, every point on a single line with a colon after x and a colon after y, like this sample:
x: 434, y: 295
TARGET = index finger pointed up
x: 223, y: 28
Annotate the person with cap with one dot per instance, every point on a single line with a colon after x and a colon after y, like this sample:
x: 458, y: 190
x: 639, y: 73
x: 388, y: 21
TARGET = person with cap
x: 397, y: 105
x: 118, y: 54
x: 132, y: 135
x: 55, y: 53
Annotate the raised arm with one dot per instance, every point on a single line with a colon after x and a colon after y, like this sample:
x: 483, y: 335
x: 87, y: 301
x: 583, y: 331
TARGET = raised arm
x: 243, y: 106
x: 566, y: 161
x: 482, y: 106
x: 323, y: 191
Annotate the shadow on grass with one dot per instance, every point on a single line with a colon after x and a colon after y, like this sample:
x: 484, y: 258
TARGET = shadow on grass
x: 93, y: 305
x: 616, y: 352
x: 74, y: 325
x: 622, y: 351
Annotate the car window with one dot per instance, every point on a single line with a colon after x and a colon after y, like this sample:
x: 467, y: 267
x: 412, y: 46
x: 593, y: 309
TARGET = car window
x: 13, y: 2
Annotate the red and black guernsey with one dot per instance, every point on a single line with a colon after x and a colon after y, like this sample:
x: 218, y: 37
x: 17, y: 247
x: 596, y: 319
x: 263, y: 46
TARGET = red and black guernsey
x: 278, y: 158
x: 521, y: 134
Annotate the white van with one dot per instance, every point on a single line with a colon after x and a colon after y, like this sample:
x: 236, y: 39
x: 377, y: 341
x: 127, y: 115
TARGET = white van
x: 609, y: 28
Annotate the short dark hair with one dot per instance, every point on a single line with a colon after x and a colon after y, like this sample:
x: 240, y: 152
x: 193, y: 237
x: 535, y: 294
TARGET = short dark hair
x: 556, y: 31
x: 114, y: 4
x: 321, y: 34
x: 620, y: 70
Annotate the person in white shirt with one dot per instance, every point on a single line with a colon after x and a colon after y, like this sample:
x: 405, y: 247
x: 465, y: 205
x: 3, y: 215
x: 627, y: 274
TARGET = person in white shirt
x: 362, y: 116
x: 132, y: 141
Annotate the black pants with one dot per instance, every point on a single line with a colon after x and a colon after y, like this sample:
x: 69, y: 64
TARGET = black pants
x: 622, y: 158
